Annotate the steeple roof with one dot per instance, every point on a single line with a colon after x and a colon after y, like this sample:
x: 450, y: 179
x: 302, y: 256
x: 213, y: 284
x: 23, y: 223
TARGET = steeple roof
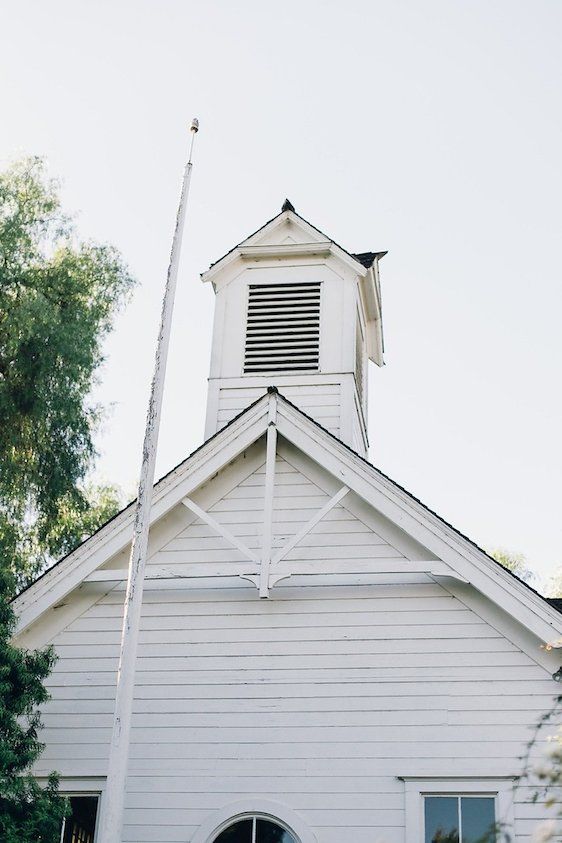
x: 365, y: 259
x: 306, y: 241
x: 288, y: 206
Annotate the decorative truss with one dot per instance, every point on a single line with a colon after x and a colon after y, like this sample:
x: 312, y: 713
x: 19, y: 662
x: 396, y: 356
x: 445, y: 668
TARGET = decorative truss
x: 266, y: 568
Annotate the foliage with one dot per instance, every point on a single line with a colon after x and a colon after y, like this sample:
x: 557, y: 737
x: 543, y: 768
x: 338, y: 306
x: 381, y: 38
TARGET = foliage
x: 548, y: 775
x: 57, y: 301
x: 28, y: 812
x: 491, y: 836
x: 77, y: 517
x: 555, y: 584
x: 514, y: 562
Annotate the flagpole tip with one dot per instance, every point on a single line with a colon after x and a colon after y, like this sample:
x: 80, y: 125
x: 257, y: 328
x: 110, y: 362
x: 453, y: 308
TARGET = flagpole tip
x: 194, y: 125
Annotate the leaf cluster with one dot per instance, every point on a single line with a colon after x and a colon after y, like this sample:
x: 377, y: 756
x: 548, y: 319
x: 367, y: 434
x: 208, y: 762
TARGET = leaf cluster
x: 57, y: 301
x: 29, y: 813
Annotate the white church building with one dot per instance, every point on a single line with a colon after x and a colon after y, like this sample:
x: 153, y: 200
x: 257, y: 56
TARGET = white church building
x: 321, y: 656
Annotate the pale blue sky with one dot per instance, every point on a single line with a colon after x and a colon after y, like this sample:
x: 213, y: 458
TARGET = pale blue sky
x: 432, y: 129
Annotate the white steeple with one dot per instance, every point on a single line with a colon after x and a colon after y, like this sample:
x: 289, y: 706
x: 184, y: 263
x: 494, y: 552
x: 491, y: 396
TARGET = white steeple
x: 296, y: 311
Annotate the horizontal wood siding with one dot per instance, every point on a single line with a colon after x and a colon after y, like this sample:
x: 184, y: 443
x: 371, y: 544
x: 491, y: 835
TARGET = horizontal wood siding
x: 320, y: 401
x: 318, y: 698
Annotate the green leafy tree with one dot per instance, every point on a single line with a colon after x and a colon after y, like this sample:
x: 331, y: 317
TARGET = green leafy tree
x: 57, y: 301
x: 29, y: 813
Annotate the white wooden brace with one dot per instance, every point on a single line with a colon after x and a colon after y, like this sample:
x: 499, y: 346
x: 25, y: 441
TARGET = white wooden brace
x: 219, y: 528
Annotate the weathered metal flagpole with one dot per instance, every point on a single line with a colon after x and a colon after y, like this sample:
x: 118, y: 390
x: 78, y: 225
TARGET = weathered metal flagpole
x: 114, y: 797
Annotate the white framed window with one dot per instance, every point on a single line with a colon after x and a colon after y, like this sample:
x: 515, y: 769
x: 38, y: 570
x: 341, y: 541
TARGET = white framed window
x: 458, y: 810
x: 266, y: 821
x: 80, y: 825
x: 254, y: 829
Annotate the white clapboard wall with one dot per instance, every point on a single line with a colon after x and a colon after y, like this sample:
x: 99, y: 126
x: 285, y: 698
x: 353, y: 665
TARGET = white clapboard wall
x: 320, y: 697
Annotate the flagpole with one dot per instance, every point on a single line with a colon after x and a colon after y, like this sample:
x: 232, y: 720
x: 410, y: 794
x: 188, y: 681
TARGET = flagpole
x: 113, y: 800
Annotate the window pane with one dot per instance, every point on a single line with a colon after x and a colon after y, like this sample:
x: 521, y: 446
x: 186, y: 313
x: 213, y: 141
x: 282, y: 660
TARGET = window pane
x: 441, y: 819
x: 478, y: 817
x: 80, y: 825
x: 240, y: 832
x: 268, y: 832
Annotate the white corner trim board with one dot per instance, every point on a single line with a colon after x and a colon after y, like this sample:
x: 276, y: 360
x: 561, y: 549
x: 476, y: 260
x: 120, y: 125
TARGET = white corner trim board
x: 268, y: 809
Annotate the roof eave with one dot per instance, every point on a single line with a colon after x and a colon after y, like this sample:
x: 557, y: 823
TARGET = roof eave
x: 219, y: 265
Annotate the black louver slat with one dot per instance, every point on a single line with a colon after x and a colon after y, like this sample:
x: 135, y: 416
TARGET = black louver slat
x: 283, y: 327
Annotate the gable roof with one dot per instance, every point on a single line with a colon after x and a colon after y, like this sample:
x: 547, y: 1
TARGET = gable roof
x: 555, y: 602
x: 365, y: 259
x: 462, y: 556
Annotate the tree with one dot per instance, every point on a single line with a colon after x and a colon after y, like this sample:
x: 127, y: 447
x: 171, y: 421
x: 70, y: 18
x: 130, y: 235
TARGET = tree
x: 29, y: 813
x: 514, y: 562
x: 554, y: 588
x: 58, y: 298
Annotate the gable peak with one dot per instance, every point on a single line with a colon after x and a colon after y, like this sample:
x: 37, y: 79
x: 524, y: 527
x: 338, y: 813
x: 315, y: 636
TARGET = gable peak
x: 287, y: 206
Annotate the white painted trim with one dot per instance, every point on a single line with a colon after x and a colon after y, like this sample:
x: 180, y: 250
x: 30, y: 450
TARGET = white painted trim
x: 391, y: 532
x: 93, y: 786
x: 115, y: 536
x: 269, y: 491
x: 208, y: 570
x: 370, y: 287
x: 268, y: 809
x: 316, y: 239
x: 213, y: 393
x: 77, y: 785
x: 425, y: 527
x: 311, y: 524
x: 219, y: 528
x: 291, y: 379
x: 507, y: 625
x: 417, y: 788
x: 285, y: 250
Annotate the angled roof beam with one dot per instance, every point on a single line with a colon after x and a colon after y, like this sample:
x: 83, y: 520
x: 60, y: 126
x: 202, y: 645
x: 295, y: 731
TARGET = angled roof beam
x: 196, y: 570
x: 318, y: 516
x: 219, y: 528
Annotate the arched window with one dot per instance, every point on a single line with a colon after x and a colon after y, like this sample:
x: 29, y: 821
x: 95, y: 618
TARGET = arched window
x: 255, y: 830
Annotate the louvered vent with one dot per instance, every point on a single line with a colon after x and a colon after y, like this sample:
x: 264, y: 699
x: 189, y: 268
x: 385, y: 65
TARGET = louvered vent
x: 283, y: 329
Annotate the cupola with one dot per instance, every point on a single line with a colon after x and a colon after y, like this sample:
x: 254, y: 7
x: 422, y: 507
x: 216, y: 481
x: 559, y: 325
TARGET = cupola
x: 296, y: 311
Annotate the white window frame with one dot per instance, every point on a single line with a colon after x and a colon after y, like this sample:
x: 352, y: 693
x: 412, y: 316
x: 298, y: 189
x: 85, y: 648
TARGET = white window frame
x: 265, y: 809
x: 254, y: 818
x: 418, y: 788
x: 81, y: 787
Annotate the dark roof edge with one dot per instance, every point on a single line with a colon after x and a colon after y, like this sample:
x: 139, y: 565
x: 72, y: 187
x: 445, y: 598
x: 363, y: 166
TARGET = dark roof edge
x: 357, y: 256
x: 368, y: 258
x: 556, y: 603
x: 130, y: 504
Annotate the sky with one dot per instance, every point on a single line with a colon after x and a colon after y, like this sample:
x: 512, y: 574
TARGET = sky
x: 431, y: 129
